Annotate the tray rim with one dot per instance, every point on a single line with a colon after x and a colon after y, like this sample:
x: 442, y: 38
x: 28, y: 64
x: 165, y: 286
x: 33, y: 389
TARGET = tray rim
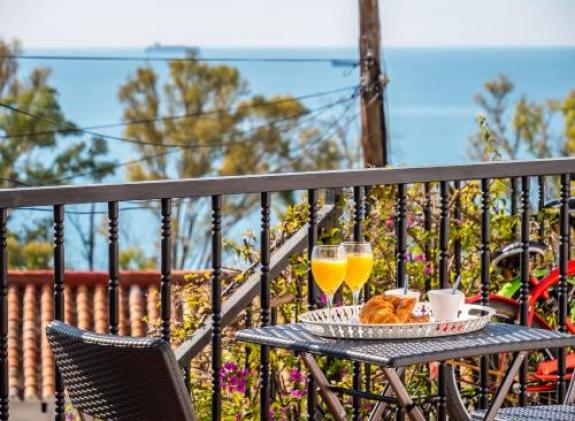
x: 302, y: 317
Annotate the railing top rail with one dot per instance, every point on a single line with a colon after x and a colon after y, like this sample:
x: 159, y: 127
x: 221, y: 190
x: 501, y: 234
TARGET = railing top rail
x: 198, y: 187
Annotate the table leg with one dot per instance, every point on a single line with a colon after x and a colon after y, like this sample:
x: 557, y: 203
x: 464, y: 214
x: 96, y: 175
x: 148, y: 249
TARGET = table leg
x: 402, y: 396
x: 504, y: 387
x: 379, y: 408
x: 570, y: 395
x: 329, y: 397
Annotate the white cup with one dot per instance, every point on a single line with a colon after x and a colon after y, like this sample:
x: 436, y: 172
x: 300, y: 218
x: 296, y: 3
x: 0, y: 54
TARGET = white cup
x: 445, y: 304
x: 400, y: 292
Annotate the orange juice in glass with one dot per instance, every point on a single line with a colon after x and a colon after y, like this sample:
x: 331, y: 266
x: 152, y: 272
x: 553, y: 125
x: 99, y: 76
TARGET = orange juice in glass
x: 359, y: 264
x: 328, y: 266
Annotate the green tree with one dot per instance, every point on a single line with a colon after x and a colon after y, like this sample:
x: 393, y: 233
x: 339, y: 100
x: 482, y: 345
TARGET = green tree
x: 228, y: 132
x: 31, y: 150
x: 527, y: 130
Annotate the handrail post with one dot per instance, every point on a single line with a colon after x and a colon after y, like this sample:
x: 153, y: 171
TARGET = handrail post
x: 485, y: 280
x: 443, y: 283
x: 166, y: 267
x: 357, y: 220
x: 524, y: 290
x: 216, y: 307
x: 265, y: 304
x: 4, y: 386
x: 59, y: 300
x: 562, y: 293
x: 113, y: 268
x: 311, y: 304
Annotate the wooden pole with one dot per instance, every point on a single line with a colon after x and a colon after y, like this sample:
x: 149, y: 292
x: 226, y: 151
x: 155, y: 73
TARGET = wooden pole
x: 374, y: 131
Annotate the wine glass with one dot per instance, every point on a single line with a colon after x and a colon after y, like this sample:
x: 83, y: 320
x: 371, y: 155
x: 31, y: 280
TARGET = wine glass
x: 359, y: 265
x: 328, y: 266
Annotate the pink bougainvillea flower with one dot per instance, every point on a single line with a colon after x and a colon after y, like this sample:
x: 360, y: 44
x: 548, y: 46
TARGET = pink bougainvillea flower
x: 295, y: 375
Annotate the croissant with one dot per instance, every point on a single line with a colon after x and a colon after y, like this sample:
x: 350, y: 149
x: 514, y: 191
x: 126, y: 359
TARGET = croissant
x: 424, y: 318
x: 390, y: 309
x: 404, y: 308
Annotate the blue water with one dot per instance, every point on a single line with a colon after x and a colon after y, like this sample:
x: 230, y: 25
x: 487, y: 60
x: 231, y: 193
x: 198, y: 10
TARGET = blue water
x: 429, y: 98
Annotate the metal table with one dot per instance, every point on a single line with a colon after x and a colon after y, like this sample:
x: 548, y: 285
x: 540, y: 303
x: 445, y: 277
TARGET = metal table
x: 391, y: 355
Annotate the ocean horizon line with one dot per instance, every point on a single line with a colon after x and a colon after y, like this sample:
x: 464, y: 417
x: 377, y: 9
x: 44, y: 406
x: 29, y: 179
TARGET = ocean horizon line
x: 286, y: 48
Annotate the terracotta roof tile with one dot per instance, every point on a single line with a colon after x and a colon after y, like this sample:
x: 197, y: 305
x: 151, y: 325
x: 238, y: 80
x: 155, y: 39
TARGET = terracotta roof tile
x: 47, y: 314
x: 69, y: 306
x: 136, y: 304
x: 123, y: 317
x: 83, y: 308
x: 100, y: 309
x: 31, y: 308
x: 14, y: 339
x: 153, y: 307
x: 30, y: 343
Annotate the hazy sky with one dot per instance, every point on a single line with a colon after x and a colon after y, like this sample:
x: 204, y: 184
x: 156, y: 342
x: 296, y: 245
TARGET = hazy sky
x: 284, y: 23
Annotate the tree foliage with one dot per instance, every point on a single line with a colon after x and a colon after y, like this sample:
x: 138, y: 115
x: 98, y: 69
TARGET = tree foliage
x: 228, y: 132
x: 31, y: 151
x: 528, y: 130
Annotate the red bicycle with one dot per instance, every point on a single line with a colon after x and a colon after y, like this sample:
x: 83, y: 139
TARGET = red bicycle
x: 544, y: 375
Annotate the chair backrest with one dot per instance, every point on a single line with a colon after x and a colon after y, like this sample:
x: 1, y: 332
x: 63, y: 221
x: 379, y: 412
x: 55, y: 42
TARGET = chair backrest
x: 120, y: 378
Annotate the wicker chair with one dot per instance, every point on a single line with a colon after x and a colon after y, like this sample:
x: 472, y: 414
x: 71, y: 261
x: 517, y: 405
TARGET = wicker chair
x: 120, y: 378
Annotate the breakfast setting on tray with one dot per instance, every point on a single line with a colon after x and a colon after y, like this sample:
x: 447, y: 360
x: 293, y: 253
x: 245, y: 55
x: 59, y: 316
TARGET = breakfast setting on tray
x: 395, y: 313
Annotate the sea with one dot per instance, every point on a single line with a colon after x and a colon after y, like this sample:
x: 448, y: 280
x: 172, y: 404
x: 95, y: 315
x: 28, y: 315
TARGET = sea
x: 430, y: 103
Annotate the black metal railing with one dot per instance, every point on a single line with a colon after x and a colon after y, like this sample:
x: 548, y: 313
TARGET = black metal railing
x: 448, y: 178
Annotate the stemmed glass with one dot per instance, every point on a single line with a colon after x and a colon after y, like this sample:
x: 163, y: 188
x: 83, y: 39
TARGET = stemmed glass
x: 359, y: 265
x: 328, y: 266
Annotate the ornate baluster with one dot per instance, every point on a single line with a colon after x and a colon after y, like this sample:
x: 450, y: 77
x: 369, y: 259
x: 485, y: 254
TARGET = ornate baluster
x: 427, y: 228
x: 366, y: 288
x: 216, y: 306
x: 457, y: 218
x: 400, y: 249
x: 166, y: 267
x: 357, y: 220
x: 401, y: 233
x: 562, y: 294
x: 485, y: 266
x: 311, y: 240
x: 59, y: 299
x: 113, y: 268
x: 541, y: 188
x: 524, y: 267
x: 265, y: 304
x: 443, y: 282
x: 4, y: 391
x: 366, y: 212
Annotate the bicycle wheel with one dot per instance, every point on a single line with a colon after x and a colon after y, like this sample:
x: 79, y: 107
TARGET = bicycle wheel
x: 541, y: 383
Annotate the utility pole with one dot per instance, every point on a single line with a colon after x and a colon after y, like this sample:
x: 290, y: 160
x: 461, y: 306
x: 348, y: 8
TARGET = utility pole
x: 374, y: 140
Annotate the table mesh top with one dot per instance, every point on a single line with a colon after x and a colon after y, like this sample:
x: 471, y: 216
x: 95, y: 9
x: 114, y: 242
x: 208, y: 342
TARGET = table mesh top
x: 532, y: 413
x: 494, y: 338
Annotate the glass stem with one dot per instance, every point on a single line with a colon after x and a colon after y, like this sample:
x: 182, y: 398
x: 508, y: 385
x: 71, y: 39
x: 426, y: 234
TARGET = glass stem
x: 329, y: 304
x: 355, y: 295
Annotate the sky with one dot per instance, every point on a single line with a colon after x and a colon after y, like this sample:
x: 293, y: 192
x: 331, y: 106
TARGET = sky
x: 285, y: 23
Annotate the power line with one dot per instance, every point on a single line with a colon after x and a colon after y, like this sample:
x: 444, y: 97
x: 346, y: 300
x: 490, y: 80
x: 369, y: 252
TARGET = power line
x: 332, y: 60
x: 72, y: 128
x: 250, y: 130
x: 318, y: 111
x: 186, y: 115
x: 328, y: 132
x: 153, y: 156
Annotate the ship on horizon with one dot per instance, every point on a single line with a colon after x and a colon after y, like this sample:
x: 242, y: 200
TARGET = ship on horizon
x: 159, y: 48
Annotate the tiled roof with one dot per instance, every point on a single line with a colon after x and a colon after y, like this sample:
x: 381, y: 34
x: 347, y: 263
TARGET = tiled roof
x: 30, y: 308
